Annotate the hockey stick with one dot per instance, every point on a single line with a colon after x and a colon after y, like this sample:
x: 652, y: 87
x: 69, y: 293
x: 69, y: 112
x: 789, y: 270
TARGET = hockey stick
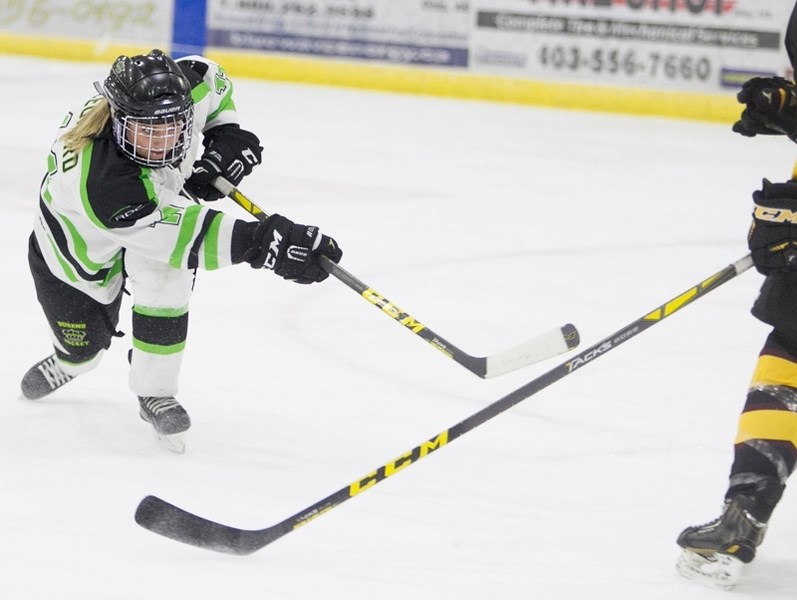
x: 544, y: 346
x: 170, y: 521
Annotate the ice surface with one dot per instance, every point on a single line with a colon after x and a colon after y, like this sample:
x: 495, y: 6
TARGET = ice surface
x: 490, y: 223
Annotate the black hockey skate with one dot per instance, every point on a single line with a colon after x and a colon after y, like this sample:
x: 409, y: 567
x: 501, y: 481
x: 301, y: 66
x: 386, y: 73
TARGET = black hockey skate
x: 168, y: 418
x: 715, y: 553
x: 43, y: 378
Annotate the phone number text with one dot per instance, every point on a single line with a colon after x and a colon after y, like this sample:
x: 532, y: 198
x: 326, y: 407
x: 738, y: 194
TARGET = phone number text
x: 631, y: 63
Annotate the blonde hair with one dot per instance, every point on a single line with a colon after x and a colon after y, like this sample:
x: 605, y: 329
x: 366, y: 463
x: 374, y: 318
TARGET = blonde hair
x: 91, y: 122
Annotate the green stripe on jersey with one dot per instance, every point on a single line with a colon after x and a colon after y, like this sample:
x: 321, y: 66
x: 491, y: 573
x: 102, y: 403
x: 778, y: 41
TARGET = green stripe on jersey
x: 152, y: 196
x: 186, y: 236
x: 199, y: 92
x: 80, y: 246
x: 70, y: 274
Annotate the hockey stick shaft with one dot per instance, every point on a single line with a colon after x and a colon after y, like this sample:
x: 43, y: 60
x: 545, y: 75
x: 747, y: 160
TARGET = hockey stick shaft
x: 544, y: 346
x: 170, y: 521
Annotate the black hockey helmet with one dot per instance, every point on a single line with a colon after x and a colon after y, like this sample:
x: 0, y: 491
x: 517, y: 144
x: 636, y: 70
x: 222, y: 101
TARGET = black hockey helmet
x: 149, y: 90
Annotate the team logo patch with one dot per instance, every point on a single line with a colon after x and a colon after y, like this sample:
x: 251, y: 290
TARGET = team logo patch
x: 170, y: 215
x: 74, y: 337
x: 220, y: 82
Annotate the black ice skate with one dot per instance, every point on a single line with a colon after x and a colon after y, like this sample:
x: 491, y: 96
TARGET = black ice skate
x: 43, y: 378
x: 168, y: 418
x: 714, y: 553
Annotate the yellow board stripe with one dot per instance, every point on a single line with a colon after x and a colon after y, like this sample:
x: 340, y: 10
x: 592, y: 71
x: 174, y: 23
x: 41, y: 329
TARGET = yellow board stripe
x: 771, y: 370
x: 415, y: 80
x: 778, y: 425
x: 419, y: 80
x: 66, y: 48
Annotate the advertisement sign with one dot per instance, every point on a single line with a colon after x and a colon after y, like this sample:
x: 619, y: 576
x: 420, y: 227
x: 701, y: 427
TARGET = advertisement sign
x: 413, y: 32
x: 704, y: 46
x: 699, y: 45
x: 147, y: 23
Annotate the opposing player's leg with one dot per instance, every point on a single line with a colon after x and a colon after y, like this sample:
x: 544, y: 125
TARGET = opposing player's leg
x: 715, y: 553
x: 765, y: 453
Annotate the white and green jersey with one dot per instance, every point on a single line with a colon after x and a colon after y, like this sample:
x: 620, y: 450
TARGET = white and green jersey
x: 95, y: 204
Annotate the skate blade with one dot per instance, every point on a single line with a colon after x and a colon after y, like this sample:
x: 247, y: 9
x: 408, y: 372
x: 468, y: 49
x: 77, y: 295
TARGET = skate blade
x: 173, y: 443
x: 718, y: 571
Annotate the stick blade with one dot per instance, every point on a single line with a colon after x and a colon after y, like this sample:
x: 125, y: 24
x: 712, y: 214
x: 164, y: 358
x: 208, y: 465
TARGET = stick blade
x: 168, y: 520
x: 549, y: 344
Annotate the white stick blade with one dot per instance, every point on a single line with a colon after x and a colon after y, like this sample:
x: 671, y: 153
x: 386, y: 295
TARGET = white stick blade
x: 540, y: 348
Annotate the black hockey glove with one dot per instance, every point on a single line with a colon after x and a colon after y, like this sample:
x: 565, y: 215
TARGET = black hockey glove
x: 773, y: 234
x: 771, y: 107
x: 230, y: 152
x: 291, y: 250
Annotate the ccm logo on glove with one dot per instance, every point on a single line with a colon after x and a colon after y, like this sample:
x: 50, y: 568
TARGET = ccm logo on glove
x: 773, y: 233
x: 298, y: 253
x: 294, y: 251
x: 273, y: 251
x: 774, y: 215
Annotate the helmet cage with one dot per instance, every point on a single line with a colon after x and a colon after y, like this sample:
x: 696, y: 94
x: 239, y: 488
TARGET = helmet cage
x: 153, y: 141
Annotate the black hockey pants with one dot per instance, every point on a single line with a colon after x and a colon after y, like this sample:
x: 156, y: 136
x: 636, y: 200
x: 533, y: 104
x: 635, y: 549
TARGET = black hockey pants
x: 81, y: 326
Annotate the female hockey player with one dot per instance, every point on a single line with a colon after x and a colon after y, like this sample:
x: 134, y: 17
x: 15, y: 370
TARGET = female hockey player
x: 117, y: 211
x: 765, y: 449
